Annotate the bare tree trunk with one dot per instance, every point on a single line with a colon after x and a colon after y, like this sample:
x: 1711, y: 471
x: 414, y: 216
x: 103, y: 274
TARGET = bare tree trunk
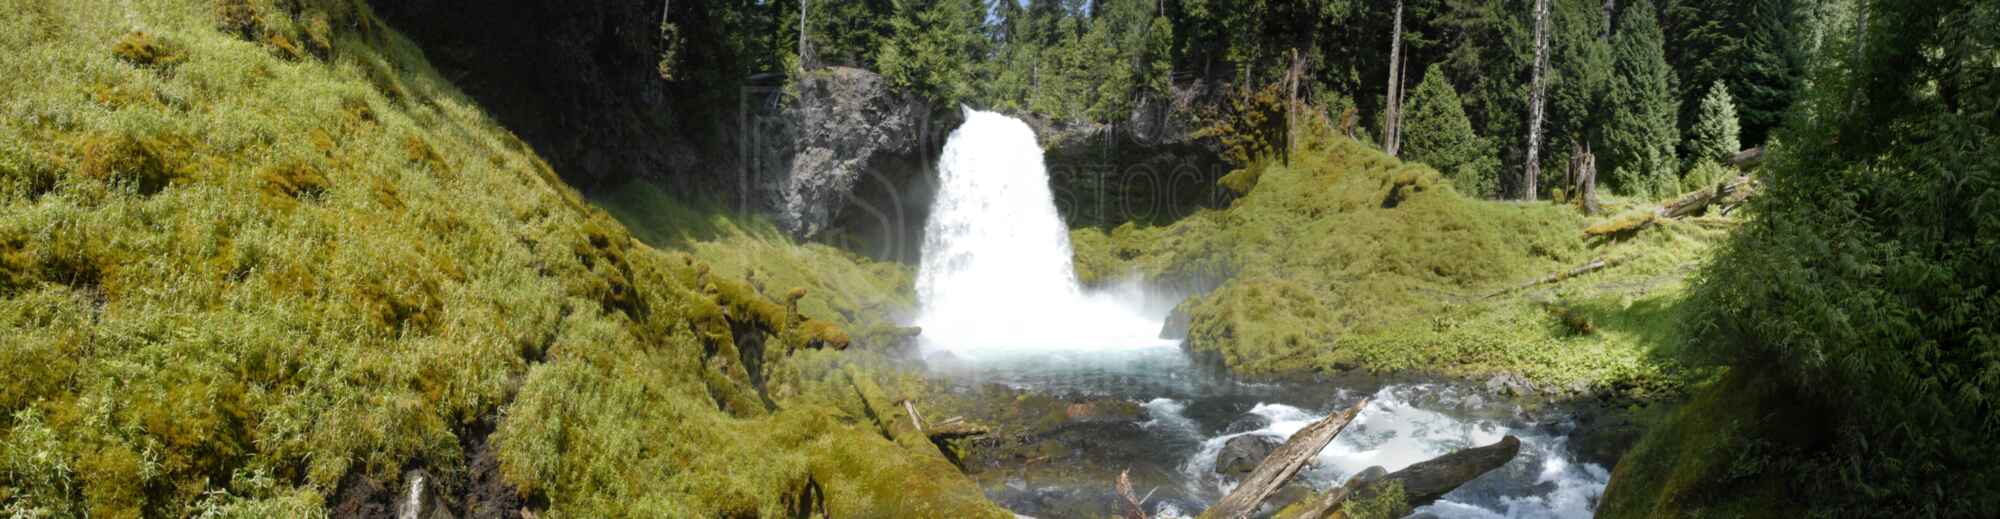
x: 1393, y: 116
x: 803, y: 60
x: 1860, y: 53
x: 1583, y: 176
x: 1610, y: 12
x: 1292, y: 108
x: 1535, y: 99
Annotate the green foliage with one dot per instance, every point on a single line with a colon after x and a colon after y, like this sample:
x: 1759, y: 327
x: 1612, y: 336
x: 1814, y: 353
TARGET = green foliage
x: 1349, y: 259
x: 1757, y: 48
x: 932, y: 46
x: 1722, y: 438
x: 1863, y: 283
x: 1253, y: 128
x: 1715, y: 128
x: 1640, y: 137
x: 1437, y: 133
x: 253, y: 276
x: 1706, y: 174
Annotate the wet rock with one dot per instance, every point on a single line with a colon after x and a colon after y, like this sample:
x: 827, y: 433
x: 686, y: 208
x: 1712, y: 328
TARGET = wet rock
x: 1241, y: 454
x: 1510, y: 385
x: 1603, y: 435
x: 363, y: 496
x: 1246, y: 423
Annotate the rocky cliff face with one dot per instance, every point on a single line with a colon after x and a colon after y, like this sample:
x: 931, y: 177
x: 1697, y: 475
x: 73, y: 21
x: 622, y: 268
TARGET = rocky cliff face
x: 839, y: 156
x: 847, y: 128
x: 1149, y: 168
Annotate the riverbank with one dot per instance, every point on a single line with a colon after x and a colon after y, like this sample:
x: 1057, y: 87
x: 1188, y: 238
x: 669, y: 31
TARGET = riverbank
x: 1348, y: 259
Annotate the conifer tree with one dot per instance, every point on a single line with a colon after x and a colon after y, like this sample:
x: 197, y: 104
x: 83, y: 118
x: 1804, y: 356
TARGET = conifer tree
x: 1714, y: 136
x: 1436, y: 132
x: 933, y: 46
x: 1640, y: 138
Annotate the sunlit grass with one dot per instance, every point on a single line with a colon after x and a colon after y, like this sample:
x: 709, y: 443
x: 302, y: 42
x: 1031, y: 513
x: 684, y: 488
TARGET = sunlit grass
x: 251, y: 249
x: 1349, y: 259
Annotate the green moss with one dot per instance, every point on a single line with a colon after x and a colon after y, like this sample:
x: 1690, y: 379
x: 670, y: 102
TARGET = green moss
x: 146, y: 163
x: 1349, y: 259
x: 202, y: 350
x: 146, y: 50
x: 1720, y: 455
x: 294, y: 180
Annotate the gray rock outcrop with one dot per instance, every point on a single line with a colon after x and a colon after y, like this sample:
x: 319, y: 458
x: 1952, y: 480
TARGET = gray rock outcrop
x: 846, y: 125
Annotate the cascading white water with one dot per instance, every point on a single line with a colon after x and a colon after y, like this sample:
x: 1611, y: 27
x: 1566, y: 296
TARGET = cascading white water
x: 996, y: 272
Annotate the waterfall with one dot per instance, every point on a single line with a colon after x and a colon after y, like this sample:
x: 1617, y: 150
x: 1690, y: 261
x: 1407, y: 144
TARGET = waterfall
x: 996, y: 272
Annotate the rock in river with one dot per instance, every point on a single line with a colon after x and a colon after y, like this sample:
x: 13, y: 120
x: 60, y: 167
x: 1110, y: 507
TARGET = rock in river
x: 1241, y: 454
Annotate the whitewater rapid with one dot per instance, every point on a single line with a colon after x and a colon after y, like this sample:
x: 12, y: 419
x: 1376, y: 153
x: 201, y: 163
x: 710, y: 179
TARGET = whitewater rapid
x: 996, y: 272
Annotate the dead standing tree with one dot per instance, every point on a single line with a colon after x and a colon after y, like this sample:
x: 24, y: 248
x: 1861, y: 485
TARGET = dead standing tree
x: 1392, y: 122
x: 1538, y: 86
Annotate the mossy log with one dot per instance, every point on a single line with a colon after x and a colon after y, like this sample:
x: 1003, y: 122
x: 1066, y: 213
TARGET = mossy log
x: 1727, y: 195
x: 1282, y: 464
x: 1592, y: 266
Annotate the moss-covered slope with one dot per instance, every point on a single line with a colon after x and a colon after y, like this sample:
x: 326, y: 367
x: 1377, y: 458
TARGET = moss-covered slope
x: 258, y: 257
x: 1347, y: 258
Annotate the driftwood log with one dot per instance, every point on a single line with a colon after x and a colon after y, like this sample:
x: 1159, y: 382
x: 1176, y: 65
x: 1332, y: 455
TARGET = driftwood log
x: 1747, y: 159
x: 1128, y: 499
x: 1426, y: 481
x: 1279, y: 467
x: 1423, y: 483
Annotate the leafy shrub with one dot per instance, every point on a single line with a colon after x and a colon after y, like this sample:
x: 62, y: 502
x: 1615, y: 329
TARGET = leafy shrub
x: 1864, y: 282
x: 1706, y: 174
x: 1251, y: 129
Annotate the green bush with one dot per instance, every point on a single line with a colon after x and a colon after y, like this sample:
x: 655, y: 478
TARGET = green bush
x: 1864, y: 282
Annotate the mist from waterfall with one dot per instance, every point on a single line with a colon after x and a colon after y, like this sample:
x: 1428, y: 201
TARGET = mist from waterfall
x: 996, y: 274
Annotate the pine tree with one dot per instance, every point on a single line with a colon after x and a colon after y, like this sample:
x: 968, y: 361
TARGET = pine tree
x: 1640, y: 137
x: 1436, y: 132
x: 932, y: 48
x: 1714, y: 136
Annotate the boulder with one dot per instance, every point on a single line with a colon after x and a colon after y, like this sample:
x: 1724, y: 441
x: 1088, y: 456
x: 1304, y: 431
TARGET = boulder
x: 1241, y: 454
x: 1510, y: 385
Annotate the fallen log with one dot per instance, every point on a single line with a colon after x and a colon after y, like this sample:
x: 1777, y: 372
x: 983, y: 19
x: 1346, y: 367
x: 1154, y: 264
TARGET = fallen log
x: 1424, y: 482
x: 1130, y: 501
x: 1725, y: 194
x: 956, y: 429
x: 1281, y: 465
x: 1725, y: 197
x: 1592, y: 266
